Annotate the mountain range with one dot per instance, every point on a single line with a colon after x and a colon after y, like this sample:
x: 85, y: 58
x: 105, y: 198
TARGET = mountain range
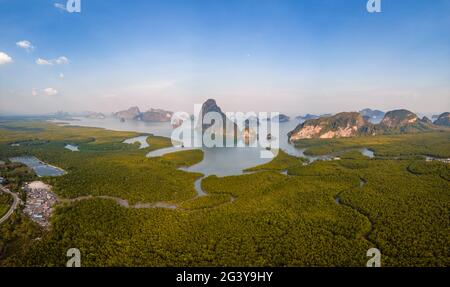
x: 345, y: 124
x: 350, y: 124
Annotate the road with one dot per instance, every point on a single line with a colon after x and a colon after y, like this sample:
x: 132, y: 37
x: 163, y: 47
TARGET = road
x: 13, y: 206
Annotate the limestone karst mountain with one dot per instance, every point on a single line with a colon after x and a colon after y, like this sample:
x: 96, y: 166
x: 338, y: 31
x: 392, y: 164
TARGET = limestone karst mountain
x: 443, y: 120
x: 132, y: 113
x: 156, y: 115
x: 355, y: 124
x: 340, y: 125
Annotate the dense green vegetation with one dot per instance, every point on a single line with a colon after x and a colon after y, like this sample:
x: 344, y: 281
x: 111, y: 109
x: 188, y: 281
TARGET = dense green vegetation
x: 15, y: 175
x: 104, y: 165
x: 328, y: 213
x: 5, y: 203
x: 405, y: 145
x: 16, y: 237
x: 210, y: 201
x: 430, y: 168
x: 281, y: 162
x: 184, y: 158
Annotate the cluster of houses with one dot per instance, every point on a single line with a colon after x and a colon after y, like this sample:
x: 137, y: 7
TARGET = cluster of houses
x: 40, y: 201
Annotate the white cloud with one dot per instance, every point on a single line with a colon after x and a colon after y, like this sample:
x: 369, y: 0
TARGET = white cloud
x: 43, y: 62
x: 5, y: 59
x: 62, y: 60
x: 50, y: 91
x: 61, y: 75
x: 24, y: 44
x: 44, y: 92
x: 59, y: 61
x: 60, y: 6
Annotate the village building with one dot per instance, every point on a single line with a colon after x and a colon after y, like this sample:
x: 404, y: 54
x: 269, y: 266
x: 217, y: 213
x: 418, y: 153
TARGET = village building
x: 39, y: 203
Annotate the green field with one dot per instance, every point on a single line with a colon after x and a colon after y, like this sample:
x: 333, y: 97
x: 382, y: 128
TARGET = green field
x: 328, y: 213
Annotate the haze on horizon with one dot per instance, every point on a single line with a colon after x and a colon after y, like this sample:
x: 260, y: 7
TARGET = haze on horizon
x: 296, y: 57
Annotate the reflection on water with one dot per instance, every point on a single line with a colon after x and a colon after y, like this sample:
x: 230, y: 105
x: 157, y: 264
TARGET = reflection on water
x: 227, y: 161
x: 39, y: 167
x: 71, y: 147
x: 142, y: 140
x: 198, y: 187
x: 431, y: 158
x: 368, y: 153
x: 285, y: 145
x: 163, y: 151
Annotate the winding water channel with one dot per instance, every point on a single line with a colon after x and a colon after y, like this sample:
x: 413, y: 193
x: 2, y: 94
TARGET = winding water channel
x: 216, y: 161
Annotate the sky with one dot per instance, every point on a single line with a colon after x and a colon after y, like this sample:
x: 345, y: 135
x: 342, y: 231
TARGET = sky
x: 295, y: 57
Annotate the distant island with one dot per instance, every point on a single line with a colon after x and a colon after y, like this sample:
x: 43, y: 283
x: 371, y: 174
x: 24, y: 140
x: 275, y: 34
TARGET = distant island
x: 282, y: 118
x: 152, y: 115
x: 307, y: 117
x: 93, y: 115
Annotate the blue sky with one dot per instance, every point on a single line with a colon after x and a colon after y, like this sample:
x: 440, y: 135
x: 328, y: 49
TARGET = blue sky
x: 298, y: 56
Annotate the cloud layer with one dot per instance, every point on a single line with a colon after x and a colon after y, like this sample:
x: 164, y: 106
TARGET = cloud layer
x: 5, y: 59
x: 24, y: 44
x: 46, y: 92
x: 59, y: 61
x: 43, y: 62
x: 50, y: 92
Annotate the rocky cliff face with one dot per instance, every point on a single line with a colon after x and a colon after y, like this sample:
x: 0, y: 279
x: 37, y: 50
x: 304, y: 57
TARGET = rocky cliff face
x: 337, y: 126
x: 229, y: 127
x: 210, y: 106
x: 157, y: 115
x: 443, y: 120
x: 132, y: 113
